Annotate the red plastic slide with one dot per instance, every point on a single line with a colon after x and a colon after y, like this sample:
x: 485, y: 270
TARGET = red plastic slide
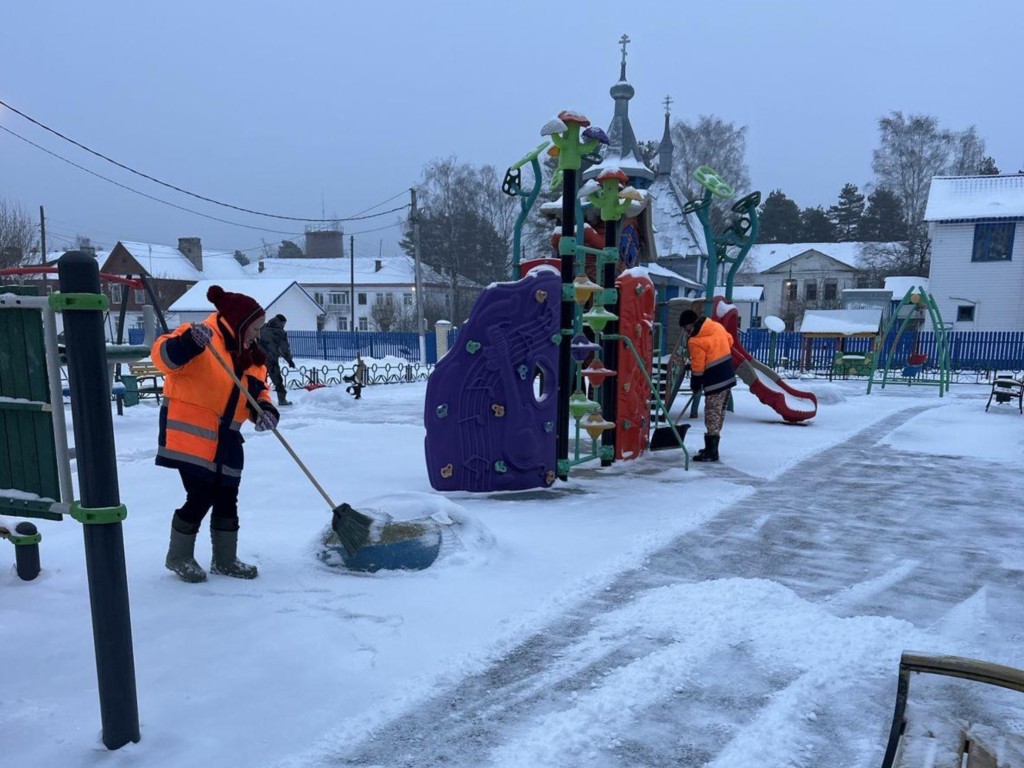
x: 791, y: 404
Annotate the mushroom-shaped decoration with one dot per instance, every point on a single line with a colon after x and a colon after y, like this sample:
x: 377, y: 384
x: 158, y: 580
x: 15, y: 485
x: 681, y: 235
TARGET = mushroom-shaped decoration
x: 595, y: 424
x: 583, y: 288
x: 553, y: 126
x: 598, y: 317
x: 580, y: 405
x: 631, y: 193
x: 610, y: 174
x: 571, y: 116
x: 581, y: 348
x: 593, y: 132
x: 596, y: 373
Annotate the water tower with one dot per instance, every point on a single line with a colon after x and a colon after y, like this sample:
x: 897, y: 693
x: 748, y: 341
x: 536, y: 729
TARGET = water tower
x: 325, y: 241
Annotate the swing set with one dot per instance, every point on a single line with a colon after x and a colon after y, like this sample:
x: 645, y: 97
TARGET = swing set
x: 918, y: 368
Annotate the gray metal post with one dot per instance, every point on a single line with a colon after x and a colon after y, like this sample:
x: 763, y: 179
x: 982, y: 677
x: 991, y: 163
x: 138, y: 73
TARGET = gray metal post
x: 97, y: 478
x: 420, y: 322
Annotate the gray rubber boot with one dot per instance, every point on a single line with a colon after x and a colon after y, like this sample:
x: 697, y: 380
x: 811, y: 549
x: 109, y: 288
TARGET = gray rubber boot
x: 225, y: 556
x: 181, y: 556
x: 282, y: 399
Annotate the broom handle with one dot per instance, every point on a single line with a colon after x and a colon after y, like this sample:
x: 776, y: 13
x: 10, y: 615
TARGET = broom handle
x: 259, y: 412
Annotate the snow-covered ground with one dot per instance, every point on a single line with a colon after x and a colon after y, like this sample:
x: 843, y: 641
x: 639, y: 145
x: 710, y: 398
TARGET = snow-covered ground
x: 744, y: 614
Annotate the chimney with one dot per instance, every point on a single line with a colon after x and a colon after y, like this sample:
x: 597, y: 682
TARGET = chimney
x: 192, y: 249
x: 262, y: 266
x: 377, y: 265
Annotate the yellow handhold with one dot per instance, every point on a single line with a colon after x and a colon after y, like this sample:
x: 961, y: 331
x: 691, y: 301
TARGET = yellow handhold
x: 594, y: 423
x: 584, y: 288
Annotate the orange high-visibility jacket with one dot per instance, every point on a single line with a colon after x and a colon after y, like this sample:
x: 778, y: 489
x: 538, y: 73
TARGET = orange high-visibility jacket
x: 203, y: 411
x: 711, y: 355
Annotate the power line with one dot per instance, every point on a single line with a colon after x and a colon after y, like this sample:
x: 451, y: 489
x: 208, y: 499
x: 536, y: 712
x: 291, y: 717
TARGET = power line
x: 177, y: 188
x: 137, y: 192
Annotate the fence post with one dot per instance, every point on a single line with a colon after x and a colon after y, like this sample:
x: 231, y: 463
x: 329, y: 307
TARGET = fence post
x: 99, y: 508
x: 441, y: 329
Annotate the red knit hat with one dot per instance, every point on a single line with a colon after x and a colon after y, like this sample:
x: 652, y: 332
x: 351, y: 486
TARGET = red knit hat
x: 238, y: 310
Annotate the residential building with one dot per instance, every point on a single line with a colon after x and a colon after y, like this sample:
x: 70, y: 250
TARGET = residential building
x: 977, y: 261
x: 172, y: 271
x: 378, y: 294
x: 277, y: 296
x: 801, y: 276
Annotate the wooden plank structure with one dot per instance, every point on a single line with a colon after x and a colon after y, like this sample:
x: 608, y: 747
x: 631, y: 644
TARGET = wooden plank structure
x: 35, y: 472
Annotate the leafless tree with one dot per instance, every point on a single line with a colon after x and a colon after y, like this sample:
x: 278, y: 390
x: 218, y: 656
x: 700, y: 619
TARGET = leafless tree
x: 716, y: 143
x: 18, y: 234
x: 384, y: 313
x: 912, y: 149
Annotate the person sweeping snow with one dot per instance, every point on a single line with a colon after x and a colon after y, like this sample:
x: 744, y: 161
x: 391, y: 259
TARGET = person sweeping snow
x: 711, y: 370
x: 200, y: 426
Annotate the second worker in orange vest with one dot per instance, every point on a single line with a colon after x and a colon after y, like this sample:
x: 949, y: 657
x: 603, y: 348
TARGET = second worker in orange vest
x: 710, y: 347
x: 200, y: 426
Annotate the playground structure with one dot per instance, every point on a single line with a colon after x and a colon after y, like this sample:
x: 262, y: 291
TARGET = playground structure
x: 916, y: 367
x: 35, y: 470
x: 568, y: 340
x: 572, y: 339
x: 739, y: 235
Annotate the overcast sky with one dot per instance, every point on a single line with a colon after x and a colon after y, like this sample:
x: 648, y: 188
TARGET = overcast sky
x: 294, y: 108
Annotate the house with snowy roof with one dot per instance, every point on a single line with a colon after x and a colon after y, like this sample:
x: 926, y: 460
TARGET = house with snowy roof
x: 172, y: 271
x: 801, y: 276
x: 377, y: 294
x: 977, y: 263
x: 276, y: 295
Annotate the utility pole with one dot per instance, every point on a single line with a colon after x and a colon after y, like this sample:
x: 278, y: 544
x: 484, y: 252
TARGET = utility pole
x: 352, y: 287
x: 420, y: 323
x: 42, y: 246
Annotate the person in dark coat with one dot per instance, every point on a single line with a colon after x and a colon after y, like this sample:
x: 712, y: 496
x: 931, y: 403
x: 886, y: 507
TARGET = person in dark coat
x: 274, y: 343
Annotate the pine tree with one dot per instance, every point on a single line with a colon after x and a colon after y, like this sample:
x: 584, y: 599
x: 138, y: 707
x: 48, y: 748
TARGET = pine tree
x: 883, y: 220
x: 847, y: 213
x: 780, y: 219
x: 817, y: 227
x: 988, y: 167
x: 289, y: 250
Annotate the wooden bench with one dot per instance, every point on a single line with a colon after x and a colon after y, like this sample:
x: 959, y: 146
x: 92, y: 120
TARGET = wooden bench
x: 150, y: 379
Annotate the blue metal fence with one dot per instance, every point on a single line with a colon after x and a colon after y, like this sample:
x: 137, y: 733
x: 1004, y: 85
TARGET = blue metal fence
x: 968, y: 350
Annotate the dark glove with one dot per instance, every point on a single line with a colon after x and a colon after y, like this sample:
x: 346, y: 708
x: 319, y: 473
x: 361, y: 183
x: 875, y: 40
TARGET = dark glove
x: 267, y: 421
x: 696, y: 383
x: 291, y: 363
x: 201, y: 334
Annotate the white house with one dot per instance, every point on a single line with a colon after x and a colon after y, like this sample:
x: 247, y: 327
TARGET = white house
x: 276, y: 296
x: 977, y: 267
x: 343, y: 290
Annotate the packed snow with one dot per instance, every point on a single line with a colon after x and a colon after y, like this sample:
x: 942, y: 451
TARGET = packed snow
x: 750, y: 613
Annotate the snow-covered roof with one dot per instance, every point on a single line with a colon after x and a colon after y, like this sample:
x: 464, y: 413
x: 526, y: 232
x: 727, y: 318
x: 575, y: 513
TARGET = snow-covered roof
x: 628, y: 163
x: 265, y: 290
x: 899, y: 285
x: 394, y: 270
x: 842, y: 322
x: 675, y: 233
x: 658, y: 271
x: 766, y: 256
x: 742, y: 292
x: 965, y: 198
x: 167, y: 262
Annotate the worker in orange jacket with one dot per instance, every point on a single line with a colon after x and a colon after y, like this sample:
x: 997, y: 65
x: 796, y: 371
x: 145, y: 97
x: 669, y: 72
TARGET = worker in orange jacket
x: 711, y: 370
x: 200, y: 426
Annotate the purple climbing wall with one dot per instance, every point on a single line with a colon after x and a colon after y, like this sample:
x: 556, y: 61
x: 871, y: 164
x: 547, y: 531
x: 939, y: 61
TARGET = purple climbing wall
x: 491, y: 405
